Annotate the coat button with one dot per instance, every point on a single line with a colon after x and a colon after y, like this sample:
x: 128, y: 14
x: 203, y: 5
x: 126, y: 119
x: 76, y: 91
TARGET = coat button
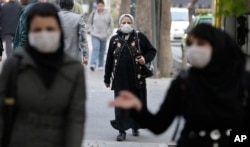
x: 215, y: 134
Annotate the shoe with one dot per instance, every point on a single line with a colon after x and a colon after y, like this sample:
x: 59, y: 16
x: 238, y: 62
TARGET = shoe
x: 121, y: 137
x: 92, y: 68
x: 101, y: 69
x: 135, y: 132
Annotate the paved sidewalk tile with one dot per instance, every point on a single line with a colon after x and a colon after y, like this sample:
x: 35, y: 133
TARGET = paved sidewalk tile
x: 93, y: 143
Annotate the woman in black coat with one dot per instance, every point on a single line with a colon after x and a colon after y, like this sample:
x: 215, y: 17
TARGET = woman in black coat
x: 210, y: 95
x: 124, y: 65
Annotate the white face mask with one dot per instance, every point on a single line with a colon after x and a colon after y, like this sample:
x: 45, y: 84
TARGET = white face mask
x: 127, y: 28
x: 199, y: 57
x: 45, y: 42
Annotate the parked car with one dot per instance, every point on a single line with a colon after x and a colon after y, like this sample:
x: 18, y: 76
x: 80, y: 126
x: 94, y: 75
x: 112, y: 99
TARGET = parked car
x: 204, y: 16
x: 179, y: 23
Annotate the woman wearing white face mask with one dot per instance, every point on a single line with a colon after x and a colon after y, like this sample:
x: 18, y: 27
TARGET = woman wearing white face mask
x: 124, y: 62
x: 46, y: 88
x: 210, y: 95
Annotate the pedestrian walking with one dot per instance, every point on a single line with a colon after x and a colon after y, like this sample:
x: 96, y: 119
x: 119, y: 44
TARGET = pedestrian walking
x: 9, y: 19
x: 100, y: 26
x: 44, y: 86
x: 128, y: 52
x: 24, y: 2
x: 20, y: 40
x: 210, y: 95
x: 75, y: 37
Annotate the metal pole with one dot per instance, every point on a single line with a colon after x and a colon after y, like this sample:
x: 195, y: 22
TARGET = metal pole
x: 218, y: 18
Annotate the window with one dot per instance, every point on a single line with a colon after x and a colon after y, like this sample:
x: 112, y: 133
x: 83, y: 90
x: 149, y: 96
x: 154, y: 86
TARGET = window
x: 179, y: 16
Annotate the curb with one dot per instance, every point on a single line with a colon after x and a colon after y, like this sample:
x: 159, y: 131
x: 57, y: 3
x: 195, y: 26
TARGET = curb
x: 99, y: 143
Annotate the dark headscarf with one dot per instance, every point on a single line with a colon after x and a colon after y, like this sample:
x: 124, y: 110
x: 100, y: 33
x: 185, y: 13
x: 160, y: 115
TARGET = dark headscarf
x: 48, y: 63
x: 218, y: 87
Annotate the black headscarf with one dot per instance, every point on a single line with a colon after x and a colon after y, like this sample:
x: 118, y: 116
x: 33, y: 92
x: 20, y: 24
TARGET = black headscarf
x: 48, y: 63
x: 217, y: 88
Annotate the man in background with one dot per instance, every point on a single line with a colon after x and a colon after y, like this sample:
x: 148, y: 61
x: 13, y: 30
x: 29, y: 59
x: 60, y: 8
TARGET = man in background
x: 21, y: 32
x: 9, y: 19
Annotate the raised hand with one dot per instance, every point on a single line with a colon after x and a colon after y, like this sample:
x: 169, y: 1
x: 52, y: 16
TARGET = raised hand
x: 126, y: 100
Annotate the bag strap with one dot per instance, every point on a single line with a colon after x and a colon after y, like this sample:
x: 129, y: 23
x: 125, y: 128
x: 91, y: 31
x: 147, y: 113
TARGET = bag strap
x: 138, y: 41
x: 92, y: 18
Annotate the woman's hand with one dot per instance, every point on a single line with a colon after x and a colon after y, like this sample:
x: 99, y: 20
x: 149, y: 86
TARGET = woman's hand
x: 85, y: 61
x: 127, y: 100
x: 141, y: 60
x: 107, y: 85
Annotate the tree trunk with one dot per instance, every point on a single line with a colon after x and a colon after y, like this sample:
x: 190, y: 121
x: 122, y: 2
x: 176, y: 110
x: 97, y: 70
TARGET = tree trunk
x: 144, y: 17
x: 125, y: 7
x: 165, y: 53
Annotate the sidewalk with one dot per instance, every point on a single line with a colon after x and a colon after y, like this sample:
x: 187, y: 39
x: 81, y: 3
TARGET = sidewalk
x: 98, y: 131
x: 92, y: 143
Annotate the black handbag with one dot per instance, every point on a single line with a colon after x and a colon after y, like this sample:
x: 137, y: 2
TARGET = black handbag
x: 9, y: 102
x: 148, y: 68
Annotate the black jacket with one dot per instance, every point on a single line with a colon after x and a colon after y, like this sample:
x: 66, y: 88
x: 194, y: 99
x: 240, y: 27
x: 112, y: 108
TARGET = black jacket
x: 10, y: 14
x: 116, y: 47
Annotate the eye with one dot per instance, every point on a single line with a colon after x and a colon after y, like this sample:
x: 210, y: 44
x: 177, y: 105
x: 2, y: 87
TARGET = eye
x: 50, y: 29
x: 129, y: 22
x: 37, y: 30
x: 123, y: 22
x: 201, y: 43
x: 189, y: 43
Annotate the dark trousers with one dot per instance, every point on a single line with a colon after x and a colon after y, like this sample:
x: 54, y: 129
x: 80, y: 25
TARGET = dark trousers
x: 8, y: 43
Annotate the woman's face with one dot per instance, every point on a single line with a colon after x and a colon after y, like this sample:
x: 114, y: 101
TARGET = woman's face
x: 199, y: 52
x: 39, y: 24
x: 126, y: 20
x: 100, y: 7
x: 44, y: 34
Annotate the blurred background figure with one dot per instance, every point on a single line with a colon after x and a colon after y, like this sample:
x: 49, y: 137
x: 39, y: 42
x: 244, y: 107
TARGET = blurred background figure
x: 74, y: 29
x: 24, y: 2
x: 210, y: 95
x: 20, y: 40
x: 100, y: 26
x: 9, y: 19
x: 128, y: 52
x: 51, y: 103
x: 77, y: 8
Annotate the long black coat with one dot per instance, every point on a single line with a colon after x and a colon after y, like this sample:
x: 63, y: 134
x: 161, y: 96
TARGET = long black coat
x: 127, y: 73
x: 10, y: 14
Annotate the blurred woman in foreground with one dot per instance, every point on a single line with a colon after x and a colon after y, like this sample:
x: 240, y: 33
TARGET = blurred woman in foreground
x: 210, y: 95
x: 49, y: 96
